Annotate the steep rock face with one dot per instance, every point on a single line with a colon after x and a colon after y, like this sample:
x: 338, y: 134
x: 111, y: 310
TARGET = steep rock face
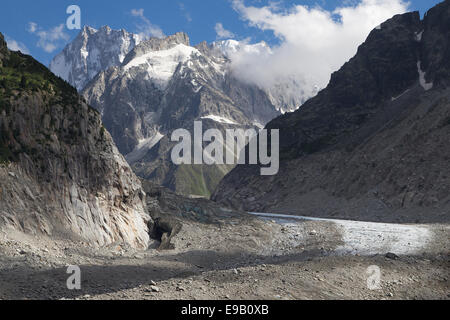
x: 3, y: 49
x: 164, y: 85
x: 384, y: 67
x: 60, y: 172
x: 372, y: 144
x: 91, y: 52
x: 157, y: 44
x: 435, y: 38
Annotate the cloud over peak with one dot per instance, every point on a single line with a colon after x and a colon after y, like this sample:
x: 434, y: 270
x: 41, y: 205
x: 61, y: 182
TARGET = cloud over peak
x: 50, y: 39
x: 313, y: 42
x: 146, y: 29
x: 223, y: 33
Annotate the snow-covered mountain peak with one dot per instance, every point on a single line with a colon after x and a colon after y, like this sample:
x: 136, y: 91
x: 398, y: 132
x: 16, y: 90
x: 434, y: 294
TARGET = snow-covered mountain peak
x: 157, y: 44
x: 87, y: 30
x: 160, y: 65
x: 157, y: 59
x: 91, y: 52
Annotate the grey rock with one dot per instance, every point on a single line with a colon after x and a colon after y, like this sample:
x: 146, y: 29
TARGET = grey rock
x: 155, y: 289
x: 374, y: 127
x: 155, y: 106
x: 91, y: 52
x: 87, y: 191
x: 141, y: 107
x: 392, y: 256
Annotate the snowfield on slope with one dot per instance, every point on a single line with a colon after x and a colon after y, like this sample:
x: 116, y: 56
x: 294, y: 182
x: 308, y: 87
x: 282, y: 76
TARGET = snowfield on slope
x: 219, y: 119
x: 161, y: 65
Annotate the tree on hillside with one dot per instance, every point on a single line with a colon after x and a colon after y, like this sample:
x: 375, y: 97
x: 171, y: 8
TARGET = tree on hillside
x: 23, y: 82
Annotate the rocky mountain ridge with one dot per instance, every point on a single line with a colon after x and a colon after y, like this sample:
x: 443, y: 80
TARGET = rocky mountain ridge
x: 164, y: 85
x: 60, y: 171
x: 373, y: 143
x: 92, y: 51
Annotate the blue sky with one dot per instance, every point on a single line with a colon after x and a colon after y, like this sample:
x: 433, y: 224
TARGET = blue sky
x: 198, y: 18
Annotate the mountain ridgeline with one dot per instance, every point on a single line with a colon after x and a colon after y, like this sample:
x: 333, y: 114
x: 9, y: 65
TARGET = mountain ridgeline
x: 60, y: 172
x: 159, y: 86
x: 374, y: 143
x: 91, y: 52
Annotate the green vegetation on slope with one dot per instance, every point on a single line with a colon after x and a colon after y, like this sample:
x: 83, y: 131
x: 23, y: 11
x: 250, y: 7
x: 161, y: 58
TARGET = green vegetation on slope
x: 200, y: 180
x: 21, y: 75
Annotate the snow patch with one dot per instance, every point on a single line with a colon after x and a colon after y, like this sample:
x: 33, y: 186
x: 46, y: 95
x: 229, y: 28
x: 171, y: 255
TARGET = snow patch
x: 258, y: 124
x: 419, y: 36
x: 196, y: 86
x: 219, y: 119
x: 84, y: 53
x: 219, y: 68
x: 161, y: 65
x: 422, y: 81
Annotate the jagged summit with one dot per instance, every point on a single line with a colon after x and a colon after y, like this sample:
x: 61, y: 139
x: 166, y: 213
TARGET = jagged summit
x: 91, y: 52
x: 167, y: 42
x: 166, y: 84
x: 87, y: 30
x: 157, y: 44
x: 94, y: 51
x: 162, y: 84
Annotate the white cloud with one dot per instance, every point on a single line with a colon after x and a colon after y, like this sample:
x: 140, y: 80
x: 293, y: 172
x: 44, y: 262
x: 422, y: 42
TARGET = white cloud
x: 32, y: 27
x: 185, y: 12
x: 14, y: 45
x: 137, y: 12
x: 50, y: 39
x: 313, y: 42
x: 145, y: 27
x: 223, y: 33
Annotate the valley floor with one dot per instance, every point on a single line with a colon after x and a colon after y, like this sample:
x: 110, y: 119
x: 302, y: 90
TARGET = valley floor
x: 262, y: 259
